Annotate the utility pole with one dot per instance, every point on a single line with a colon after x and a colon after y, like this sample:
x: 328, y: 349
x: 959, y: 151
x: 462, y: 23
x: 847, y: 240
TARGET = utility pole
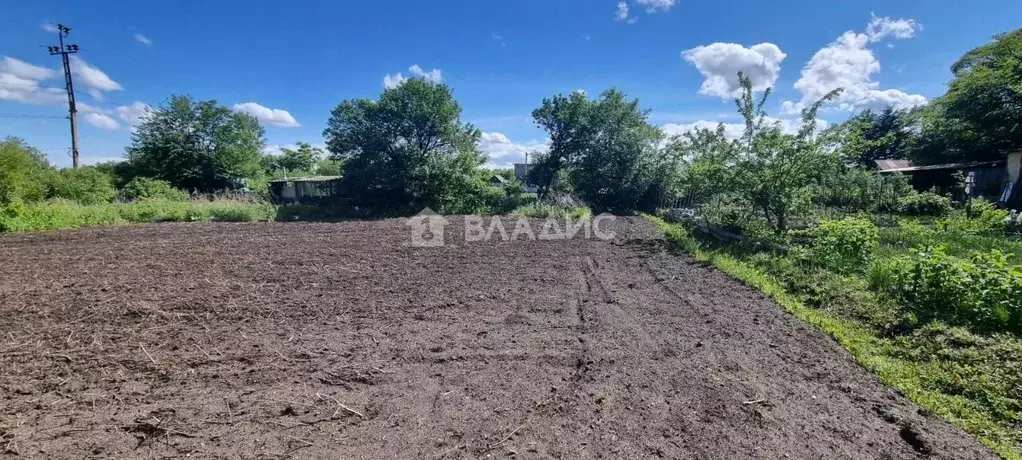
x: 64, y: 51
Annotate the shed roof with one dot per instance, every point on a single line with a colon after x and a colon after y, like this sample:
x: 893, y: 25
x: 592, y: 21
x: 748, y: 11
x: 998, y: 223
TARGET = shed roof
x: 886, y: 165
x: 308, y: 179
x: 967, y: 165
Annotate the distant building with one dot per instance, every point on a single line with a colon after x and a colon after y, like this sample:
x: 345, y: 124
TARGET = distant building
x: 497, y: 179
x: 522, y: 171
x: 989, y: 177
x: 306, y: 190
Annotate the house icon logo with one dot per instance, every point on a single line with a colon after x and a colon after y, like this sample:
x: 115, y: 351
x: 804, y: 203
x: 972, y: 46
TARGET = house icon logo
x: 427, y: 228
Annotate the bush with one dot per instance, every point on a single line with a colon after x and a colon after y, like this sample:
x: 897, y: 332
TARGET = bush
x: 146, y: 187
x: 924, y: 204
x: 86, y: 185
x: 844, y: 245
x: 23, y: 172
x: 984, y: 292
x: 544, y: 210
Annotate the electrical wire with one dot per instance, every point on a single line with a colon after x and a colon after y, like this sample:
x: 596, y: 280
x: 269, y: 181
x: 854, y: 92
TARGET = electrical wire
x: 25, y: 115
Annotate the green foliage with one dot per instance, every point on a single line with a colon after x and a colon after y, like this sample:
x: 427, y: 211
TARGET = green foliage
x: 871, y: 136
x: 845, y: 245
x: 300, y: 160
x: 145, y: 187
x: 606, y: 146
x: 409, y: 149
x: 62, y: 214
x: 197, y: 145
x: 771, y: 172
x: 862, y: 189
x: 984, y: 292
x: 85, y: 185
x: 24, y: 172
x: 979, y: 116
x: 971, y: 380
x: 924, y: 204
x: 545, y: 209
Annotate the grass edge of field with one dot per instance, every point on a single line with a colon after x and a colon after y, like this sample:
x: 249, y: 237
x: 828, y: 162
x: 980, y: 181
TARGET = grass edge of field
x: 864, y: 346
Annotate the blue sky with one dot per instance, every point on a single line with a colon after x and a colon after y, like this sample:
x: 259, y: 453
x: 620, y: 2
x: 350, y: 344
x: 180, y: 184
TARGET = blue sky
x: 290, y: 63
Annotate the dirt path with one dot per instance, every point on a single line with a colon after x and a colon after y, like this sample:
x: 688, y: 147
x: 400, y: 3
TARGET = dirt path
x: 340, y: 341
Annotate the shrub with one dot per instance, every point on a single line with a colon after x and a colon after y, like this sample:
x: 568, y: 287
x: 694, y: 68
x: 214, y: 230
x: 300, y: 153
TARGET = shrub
x: 87, y: 185
x: 544, y: 210
x: 23, y: 172
x: 984, y: 292
x: 147, y: 187
x: 844, y: 245
x: 924, y: 204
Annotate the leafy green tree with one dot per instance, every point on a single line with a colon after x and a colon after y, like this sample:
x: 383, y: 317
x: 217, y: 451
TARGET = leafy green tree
x: 770, y: 171
x: 980, y: 115
x: 407, y: 149
x: 145, y: 187
x: 197, y: 145
x: 24, y: 172
x: 607, y: 146
x: 86, y: 185
x: 301, y: 159
x: 870, y: 136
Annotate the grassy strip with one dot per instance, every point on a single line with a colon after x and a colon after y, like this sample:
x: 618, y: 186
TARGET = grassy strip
x: 916, y: 378
x: 64, y: 214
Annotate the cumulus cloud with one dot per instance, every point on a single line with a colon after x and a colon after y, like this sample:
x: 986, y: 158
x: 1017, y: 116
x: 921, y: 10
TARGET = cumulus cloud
x: 134, y: 114
x: 502, y: 152
x: 622, y: 11
x: 92, y: 77
x: 143, y: 40
x: 51, y: 28
x: 736, y: 130
x: 278, y: 149
x: 275, y: 117
x: 653, y: 6
x: 849, y: 63
x: 20, y: 81
x: 879, y: 28
x: 393, y: 80
x: 101, y: 120
x: 24, y: 70
x: 720, y: 63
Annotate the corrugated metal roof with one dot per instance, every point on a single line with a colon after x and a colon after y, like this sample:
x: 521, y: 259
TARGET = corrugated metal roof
x: 886, y: 165
x: 308, y: 179
x: 974, y: 164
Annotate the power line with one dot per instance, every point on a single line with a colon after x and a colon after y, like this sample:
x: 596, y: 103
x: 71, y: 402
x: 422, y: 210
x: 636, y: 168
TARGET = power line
x: 25, y: 115
x: 26, y: 85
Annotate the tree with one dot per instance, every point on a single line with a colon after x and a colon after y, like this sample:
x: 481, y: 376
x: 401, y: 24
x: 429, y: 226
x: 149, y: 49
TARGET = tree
x: 24, y: 172
x: 770, y: 171
x: 301, y: 159
x: 86, y: 185
x: 409, y: 148
x: 607, y: 146
x: 197, y: 145
x: 980, y: 115
x: 871, y: 136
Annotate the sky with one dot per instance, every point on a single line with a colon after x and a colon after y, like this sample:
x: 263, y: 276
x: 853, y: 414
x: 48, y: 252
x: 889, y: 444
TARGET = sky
x: 290, y: 63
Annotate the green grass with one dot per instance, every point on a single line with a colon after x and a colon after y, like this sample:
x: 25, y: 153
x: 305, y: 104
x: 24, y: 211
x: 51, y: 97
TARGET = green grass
x: 544, y: 210
x: 973, y: 381
x: 64, y: 214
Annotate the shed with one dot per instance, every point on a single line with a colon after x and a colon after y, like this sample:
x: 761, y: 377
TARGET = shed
x: 990, y: 176
x: 306, y: 190
x: 497, y: 179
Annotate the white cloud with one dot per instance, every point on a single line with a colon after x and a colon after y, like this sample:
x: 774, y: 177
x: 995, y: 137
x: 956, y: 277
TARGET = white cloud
x: 393, y: 80
x: 736, y: 130
x: 622, y: 11
x: 51, y: 28
x: 652, y: 6
x: 143, y: 40
x: 101, y: 120
x: 879, y: 28
x: 502, y: 152
x: 133, y: 114
x: 277, y: 149
x: 93, y: 77
x: 24, y: 70
x: 95, y: 93
x: 721, y: 62
x: 275, y: 117
x: 850, y: 64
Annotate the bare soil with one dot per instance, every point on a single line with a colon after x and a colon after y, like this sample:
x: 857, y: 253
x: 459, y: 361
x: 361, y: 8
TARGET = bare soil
x: 300, y: 340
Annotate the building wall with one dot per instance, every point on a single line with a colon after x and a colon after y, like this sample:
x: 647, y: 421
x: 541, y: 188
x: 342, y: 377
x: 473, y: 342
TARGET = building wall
x: 1014, y: 166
